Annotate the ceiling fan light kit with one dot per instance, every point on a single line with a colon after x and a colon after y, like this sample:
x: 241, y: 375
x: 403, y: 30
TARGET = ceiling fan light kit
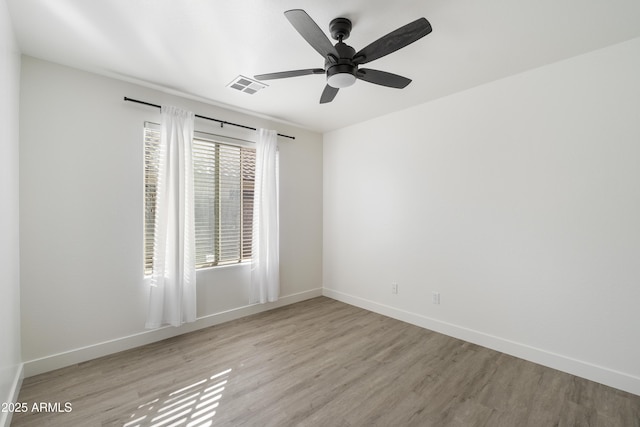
x: 342, y: 62
x: 341, y: 75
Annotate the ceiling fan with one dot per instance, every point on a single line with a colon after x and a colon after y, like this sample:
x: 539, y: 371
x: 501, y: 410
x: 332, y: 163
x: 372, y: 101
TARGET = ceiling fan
x: 342, y: 61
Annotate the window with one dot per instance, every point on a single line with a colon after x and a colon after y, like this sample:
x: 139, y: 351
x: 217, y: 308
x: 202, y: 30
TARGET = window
x: 223, y: 188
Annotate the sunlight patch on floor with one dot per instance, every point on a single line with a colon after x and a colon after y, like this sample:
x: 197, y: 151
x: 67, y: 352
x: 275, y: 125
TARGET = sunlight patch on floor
x: 192, y: 406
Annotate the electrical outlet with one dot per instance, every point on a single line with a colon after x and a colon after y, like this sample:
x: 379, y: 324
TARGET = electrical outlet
x: 394, y: 288
x: 436, y: 298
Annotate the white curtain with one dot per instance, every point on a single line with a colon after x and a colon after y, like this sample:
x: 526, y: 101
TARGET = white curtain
x: 265, y: 269
x: 173, y: 281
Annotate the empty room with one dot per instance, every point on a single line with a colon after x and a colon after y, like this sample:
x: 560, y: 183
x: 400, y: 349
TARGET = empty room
x: 280, y: 213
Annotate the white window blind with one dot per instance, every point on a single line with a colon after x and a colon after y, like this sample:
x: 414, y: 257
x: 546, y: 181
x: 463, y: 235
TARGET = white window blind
x: 223, y: 185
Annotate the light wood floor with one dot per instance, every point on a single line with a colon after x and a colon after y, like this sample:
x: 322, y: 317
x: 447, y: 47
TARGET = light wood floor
x: 320, y: 363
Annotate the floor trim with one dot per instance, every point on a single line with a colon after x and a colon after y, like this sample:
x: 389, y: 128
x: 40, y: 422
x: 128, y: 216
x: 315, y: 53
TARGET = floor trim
x: 600, y: 374
x: 5, y: 417
x: 79, y: 355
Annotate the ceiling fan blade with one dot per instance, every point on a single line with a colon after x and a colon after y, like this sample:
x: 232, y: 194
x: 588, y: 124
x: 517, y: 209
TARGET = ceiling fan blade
x: 310, y: 31
x: 393, y: 41
x: 328, y: 94
x: 383, y: 78
x: 285, y: 74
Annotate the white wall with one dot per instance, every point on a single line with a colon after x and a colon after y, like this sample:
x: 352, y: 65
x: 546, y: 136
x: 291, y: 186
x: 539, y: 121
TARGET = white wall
x: 10, y: 361
x: 81, y: 171
x: 518, y: 201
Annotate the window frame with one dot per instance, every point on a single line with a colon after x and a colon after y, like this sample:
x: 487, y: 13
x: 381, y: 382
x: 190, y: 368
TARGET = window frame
x: 246, y: 188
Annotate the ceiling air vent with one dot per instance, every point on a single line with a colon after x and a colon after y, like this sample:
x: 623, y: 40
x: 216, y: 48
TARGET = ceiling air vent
x: 246, y: 85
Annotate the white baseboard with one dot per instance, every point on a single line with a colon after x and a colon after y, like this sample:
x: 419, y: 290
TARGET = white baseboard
x: 79, y: 355
x: 5, y: 417
x: 600, y: 374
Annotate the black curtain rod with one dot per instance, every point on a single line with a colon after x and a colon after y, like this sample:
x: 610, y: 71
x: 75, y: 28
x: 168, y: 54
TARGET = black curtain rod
x: 222, y: 122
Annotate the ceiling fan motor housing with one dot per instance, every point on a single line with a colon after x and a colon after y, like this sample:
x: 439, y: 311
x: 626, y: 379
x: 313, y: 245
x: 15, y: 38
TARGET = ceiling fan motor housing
x: 342, y: 72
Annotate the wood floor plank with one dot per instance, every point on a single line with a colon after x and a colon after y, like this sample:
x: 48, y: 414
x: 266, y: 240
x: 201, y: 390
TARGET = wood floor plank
x: 320, y: 363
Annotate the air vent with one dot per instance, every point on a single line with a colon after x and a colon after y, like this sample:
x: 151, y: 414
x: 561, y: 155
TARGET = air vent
x: 246, y: 85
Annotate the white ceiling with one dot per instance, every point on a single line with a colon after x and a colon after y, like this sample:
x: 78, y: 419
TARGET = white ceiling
x: 197, y: 47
